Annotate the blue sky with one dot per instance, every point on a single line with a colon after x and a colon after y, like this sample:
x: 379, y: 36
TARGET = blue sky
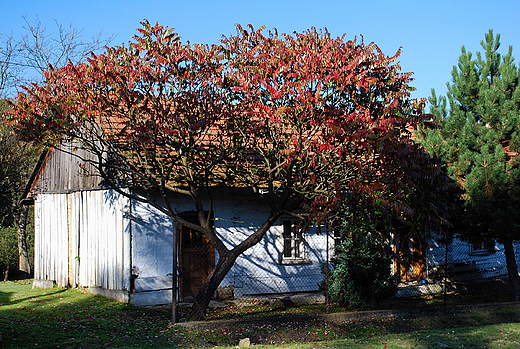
x: 430, y: 33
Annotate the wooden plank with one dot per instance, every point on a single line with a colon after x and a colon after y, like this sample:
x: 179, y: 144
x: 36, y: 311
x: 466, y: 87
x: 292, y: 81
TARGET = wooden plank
x: 49, y: 215
x: 62, y: 170
x: 118, y: 256
x: 89, y: 252
x: 75, y: 235
x: 45, y: 253
x: 127, y: 245
x: 52, y: 239
x: 70, y: 233
x: 111, y: 234
x: 100, y: 223
x: 117, y: 278
x: 84, y: 245
x: 62, y: 236
x: 38, y: 274
x: 93, y: 235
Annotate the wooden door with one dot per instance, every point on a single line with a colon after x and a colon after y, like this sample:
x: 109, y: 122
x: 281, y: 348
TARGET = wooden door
x: 412, y: 264
x: 197, y: 261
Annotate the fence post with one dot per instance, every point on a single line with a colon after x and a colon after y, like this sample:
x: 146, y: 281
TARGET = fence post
x: 174, y: 273
x: 327, y: 296
x: 445, y: 266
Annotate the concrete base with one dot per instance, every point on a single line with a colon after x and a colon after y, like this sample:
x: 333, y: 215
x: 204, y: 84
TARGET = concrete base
x: 287, y: 299
x: 151, y: 298
x: 37, y: 283
x: 120, y: 296
x: 412, y: 289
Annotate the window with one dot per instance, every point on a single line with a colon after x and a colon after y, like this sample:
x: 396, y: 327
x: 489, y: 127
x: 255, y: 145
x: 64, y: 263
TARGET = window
x: 482, y: 248
x: 293, y: 242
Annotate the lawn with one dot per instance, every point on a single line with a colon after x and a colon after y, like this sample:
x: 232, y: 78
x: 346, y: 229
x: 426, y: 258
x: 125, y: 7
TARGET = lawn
x: 71, y: 318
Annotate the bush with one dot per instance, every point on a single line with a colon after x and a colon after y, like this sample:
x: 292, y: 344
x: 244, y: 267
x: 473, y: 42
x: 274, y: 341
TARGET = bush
x: 8, y: 252
x: 360, y: 275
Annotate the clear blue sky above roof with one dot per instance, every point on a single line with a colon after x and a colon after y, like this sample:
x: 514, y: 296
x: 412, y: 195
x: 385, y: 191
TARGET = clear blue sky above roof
x: 430, y: 33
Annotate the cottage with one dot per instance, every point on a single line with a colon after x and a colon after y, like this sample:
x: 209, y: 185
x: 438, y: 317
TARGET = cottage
x: 88, y: 235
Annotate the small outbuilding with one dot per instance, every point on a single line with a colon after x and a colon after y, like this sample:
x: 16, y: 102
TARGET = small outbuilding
x: 88, y: 235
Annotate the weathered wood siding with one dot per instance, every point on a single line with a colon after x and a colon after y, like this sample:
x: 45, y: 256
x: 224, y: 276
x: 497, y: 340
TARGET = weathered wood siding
x: 64, y: 170
x: 51, y: 239
x: 83, y: 239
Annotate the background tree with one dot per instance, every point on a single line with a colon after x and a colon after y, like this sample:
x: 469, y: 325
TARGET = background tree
x: 23, y: 59
x: 479, y: 139
x: 314, y: 121
x: 8, y: 252
x: 16, y: 161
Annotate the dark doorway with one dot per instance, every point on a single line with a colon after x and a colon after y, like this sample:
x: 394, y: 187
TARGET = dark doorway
x: 197, y: 259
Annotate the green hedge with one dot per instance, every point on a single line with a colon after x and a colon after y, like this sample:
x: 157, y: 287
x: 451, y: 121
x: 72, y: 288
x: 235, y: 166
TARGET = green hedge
x: 360, y: 275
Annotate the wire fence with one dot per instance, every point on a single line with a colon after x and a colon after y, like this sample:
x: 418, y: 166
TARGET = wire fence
x: 475, y: 272
x: 442, y: 273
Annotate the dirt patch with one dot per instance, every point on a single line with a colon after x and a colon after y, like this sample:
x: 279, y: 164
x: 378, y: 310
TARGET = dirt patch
x: 289, y: 329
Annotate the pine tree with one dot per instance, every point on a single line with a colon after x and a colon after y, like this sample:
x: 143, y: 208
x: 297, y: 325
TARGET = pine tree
x: 479, y: 138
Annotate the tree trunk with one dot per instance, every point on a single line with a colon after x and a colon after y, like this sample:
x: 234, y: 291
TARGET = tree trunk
x: 512, y: 269
x: 24, y: 268
x: 211, y: 284
x: 225, y: 262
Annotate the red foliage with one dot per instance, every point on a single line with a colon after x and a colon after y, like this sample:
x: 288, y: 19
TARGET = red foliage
x: 299, y: 112
x: 320, y: 122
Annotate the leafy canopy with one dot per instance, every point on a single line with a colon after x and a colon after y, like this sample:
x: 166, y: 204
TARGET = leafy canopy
x: 318, y: 124
x: 304, y: 112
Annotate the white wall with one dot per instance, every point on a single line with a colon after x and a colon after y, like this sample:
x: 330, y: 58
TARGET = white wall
x: 259, y: 269
x: 51, y: 238
x: 82, y: 239
x: 238, y: 212
x: 461, y: 252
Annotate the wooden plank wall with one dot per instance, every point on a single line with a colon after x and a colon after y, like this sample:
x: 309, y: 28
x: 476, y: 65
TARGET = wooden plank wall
x: 82, y: 239
x: 51, y: 239
x: 64, y: 170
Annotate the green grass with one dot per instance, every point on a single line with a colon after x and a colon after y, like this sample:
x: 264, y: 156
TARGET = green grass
x: 71, y: 318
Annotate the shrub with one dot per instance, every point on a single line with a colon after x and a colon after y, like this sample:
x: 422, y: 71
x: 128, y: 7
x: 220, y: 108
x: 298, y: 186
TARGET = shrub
x: 8, y: 252
x: 360, y: 275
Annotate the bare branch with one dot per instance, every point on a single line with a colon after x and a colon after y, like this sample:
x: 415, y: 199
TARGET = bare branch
x: 23, y: 59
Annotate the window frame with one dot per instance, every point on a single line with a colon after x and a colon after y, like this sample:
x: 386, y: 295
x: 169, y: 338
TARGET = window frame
x: 293, y: 243
x: 482, y: 247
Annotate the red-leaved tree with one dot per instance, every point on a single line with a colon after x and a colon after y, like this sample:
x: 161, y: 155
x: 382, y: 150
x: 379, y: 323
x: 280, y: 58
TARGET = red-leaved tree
x: 319, y: 123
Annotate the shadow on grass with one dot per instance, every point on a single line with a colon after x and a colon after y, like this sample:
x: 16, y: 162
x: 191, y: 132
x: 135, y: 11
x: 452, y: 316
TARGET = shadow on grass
x: 474, y: 327
x: 468, y: 319
x: 35, y: 299
x: 246, y: 309
x: 72, y: 318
